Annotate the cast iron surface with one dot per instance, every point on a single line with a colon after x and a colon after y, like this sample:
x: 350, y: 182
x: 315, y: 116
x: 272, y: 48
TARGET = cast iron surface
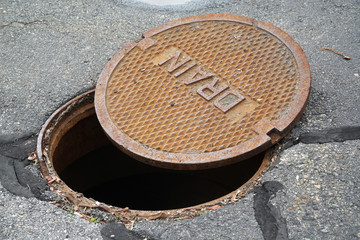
x: 57, y: 149
x: 203, y: 91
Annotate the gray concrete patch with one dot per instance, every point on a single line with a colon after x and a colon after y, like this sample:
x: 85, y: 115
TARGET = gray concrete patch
x: 321, y: 188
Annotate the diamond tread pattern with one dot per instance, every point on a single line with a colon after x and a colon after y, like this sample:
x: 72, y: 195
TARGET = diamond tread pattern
x: 154, y: 108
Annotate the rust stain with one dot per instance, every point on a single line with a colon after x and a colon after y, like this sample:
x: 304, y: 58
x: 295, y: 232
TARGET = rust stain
x: 66, y: 117
x: 189, y: 95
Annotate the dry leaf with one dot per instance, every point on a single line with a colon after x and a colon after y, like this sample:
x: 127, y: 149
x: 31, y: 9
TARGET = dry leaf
x: 214, y: 207
x: 104, y: 208
x: 32, y: 156
x: 51, y: 179
x: 233, y: 198
x: 78, y: 214
x: 153, y: 216
x: 164, y: 216
x: 79, y: 195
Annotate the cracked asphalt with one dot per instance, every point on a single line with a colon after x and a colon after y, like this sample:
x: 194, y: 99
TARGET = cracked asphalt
x: 51, y: 51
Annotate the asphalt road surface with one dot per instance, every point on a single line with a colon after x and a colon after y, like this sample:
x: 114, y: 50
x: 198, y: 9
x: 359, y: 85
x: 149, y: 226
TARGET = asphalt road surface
x: 51, y: 51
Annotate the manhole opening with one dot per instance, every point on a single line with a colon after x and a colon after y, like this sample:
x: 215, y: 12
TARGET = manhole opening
x: 203, y: 91
x: 101, y: 171
x: 166, y: 111
x: 73, y: 146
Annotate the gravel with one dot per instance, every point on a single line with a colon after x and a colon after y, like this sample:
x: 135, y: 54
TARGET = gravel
x: 234, y: 221
x: 30, y: 218
x: 312, y: 193
x: 50, y: 51
x: 320, y: 198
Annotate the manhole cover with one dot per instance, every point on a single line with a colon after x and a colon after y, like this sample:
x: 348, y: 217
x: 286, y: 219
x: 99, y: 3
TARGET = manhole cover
x: 203, y: 91
x: 71, y: 143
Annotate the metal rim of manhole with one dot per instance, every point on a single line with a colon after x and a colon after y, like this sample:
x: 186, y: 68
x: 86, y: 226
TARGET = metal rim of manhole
x: 203, y: 91
x: 57, y: 150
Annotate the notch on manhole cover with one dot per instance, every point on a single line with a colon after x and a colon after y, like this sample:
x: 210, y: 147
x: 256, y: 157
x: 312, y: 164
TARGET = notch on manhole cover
x: 203, y: 91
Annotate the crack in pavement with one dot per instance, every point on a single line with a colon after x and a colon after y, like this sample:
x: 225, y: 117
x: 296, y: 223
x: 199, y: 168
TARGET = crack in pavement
x: 339, y: 134
x: 272, y: 224
x: 8, y: 156
x: 331, y: 135
x: 21, y: 23
x: 16, y: 177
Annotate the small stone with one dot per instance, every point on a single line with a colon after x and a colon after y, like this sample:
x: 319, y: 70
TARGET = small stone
x: 317, y: 186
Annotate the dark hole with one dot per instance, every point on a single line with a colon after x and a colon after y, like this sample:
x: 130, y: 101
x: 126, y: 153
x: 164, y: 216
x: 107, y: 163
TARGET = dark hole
x: 104, y: 173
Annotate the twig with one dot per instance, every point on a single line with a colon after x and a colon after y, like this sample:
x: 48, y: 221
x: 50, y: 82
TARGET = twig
x: 339, y: 53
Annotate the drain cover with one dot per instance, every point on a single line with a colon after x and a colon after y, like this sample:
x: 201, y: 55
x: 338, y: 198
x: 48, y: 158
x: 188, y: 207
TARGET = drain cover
x: 203, y: 91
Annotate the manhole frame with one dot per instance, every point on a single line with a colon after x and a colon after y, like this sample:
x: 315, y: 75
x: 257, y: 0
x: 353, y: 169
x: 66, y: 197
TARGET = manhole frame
x: 66, y: 113
x: 270, y: 133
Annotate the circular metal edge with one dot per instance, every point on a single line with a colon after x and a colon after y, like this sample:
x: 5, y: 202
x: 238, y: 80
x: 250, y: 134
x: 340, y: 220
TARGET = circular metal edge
x: 47, y: 170
x: 210, y: 159
x: 45, y: 126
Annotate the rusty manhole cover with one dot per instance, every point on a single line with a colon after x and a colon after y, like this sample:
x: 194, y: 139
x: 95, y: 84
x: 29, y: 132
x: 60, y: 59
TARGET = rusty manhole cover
x: 203, y: 91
